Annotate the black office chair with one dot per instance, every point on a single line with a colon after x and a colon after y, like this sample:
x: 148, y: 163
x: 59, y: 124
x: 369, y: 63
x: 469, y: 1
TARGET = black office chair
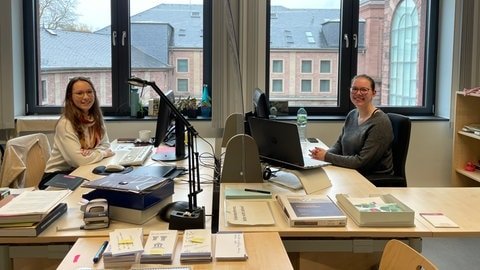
x: 401, y: 126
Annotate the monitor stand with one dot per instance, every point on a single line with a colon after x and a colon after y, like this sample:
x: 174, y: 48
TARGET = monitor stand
x: 167, y: 153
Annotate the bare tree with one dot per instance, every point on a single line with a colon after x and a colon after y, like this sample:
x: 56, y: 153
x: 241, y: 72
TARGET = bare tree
x: 60, y: 14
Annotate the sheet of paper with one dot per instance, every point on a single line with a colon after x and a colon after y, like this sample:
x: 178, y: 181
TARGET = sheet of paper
x: 240, y: 212
x: 34, y: 202
x: 439, y: 220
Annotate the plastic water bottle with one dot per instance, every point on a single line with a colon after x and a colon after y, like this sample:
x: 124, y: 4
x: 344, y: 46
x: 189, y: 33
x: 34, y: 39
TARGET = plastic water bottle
x: 302, y: 123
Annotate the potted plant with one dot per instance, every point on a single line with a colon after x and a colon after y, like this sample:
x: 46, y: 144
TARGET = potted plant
x: 188, y: 106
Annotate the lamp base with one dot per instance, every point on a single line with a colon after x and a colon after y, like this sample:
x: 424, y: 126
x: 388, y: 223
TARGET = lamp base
x: 184, y: 220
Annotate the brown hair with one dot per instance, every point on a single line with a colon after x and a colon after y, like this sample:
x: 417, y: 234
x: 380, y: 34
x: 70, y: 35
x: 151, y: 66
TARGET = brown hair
x: 77, y: 118
x: 365, y: 76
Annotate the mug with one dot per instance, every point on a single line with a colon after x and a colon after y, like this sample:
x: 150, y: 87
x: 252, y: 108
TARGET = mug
x: 145, y: 135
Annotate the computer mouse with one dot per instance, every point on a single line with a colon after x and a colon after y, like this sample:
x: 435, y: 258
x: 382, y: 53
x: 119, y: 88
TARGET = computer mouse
x: 166, y: 211
x: 99, y: 170
x: 114, y: 168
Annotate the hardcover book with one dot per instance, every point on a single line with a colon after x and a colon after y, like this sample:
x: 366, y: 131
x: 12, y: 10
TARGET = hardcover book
x: 196, y: 245
x: 36, y: 228
x: 311, y: 211
x: 160, y: 247
x: 64, y: 181
x: 377, y: 211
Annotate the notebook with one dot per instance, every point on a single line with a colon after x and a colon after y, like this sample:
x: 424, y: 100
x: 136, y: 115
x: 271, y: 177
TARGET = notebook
x: 279, y: 142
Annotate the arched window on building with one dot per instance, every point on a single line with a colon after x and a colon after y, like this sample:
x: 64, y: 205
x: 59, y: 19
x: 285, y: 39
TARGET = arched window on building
x: 404, y: 55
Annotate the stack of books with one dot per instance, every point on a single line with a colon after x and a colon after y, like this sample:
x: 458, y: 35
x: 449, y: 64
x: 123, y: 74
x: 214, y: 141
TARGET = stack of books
x: 124, y: 248
x: 196, y: 246
x: 160, y: 247
x: 31, y: 212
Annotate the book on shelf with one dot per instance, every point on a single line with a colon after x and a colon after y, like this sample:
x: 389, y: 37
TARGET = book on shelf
x: 38, y: 227
x: 64, y: 181
x: 245, y: 193
x: 30, y: 205
x: 196, y: 245
x: 311, y: 211
x: 137, y: 216
x: 377, y: 210
x: 159, y: 247
x: 230, y: 246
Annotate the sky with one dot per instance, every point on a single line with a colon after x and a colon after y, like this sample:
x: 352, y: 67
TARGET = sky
x: 92, y: 12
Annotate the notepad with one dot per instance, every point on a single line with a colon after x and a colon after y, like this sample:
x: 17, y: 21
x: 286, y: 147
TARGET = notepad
x: 439, y: 220
x: 230, y: 247
x: 243, y: 212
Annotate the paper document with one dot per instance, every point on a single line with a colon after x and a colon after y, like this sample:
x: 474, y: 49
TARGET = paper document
x: 230, y: 246
x: 248, y: 212
x: 439, y: 220
x: 126, y: 241
x: 34, y: 202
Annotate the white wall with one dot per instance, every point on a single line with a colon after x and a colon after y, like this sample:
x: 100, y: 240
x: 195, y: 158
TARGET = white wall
x: 429, y: 156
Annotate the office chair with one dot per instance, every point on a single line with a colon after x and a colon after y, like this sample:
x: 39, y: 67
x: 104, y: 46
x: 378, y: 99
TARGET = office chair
x: 242, y: 161
x: 399, y: 256
x: 24, y: 161
x: 401, y: 126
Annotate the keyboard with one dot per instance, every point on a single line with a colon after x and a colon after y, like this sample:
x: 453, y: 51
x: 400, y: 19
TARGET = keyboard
x: 136, y: 156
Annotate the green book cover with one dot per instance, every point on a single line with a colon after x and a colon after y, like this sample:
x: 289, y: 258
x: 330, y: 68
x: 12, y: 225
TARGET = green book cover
x: 242, y: 193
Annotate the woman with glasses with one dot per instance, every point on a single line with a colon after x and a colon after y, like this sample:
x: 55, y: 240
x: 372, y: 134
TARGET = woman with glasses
x: 80, y: 133
x: 365, y: 141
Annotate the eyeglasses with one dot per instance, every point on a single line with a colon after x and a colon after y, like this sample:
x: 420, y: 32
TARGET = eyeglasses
x: 82, y: 93
x: 362, y: 90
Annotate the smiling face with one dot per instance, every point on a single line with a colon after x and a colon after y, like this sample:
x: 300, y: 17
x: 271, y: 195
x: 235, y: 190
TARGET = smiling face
x: 83, y: 96
x: 362, y: 92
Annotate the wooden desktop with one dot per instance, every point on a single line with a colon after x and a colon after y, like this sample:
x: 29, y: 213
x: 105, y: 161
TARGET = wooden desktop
x: 308, y: 248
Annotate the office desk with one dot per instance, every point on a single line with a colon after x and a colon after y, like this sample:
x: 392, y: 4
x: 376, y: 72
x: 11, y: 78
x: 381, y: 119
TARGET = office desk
x: 259, y: 257
x: 459, y: 204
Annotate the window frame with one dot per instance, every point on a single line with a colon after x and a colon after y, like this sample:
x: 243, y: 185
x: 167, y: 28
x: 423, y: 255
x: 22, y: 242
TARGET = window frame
x: 347, y: 65
x: 121, y: 68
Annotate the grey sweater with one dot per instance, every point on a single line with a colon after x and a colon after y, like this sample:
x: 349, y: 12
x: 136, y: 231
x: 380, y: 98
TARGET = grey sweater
x: 366, y: 147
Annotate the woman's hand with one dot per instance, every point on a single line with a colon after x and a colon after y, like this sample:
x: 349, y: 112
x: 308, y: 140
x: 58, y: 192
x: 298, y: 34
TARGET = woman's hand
x: 108, y: 153
x: 318, y: 153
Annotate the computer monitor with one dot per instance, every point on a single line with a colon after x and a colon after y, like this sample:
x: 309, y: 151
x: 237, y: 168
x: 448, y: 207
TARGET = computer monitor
x: 165, y: 126
x: 260, y: 104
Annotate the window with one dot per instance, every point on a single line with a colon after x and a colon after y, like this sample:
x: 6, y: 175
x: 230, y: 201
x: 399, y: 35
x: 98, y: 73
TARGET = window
x: 393, y: 41
x: 182, y: 85
x: 182, y: 65
x: 324, y: 85
x: 306, y: 66
x: 277, y: 86
x: 277, y: 66
x: 325, y: 66
x: 104, y: 43
x: 306, y: 86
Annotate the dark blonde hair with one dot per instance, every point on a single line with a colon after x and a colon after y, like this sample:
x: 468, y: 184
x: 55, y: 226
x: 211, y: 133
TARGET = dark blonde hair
x: 76, y: 116
x: 365, y: 76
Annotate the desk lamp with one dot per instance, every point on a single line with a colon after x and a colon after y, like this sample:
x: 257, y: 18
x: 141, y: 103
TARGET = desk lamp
x: 194, y: 216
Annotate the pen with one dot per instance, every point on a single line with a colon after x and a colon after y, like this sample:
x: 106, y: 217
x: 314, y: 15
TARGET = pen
x: 100, y: 251
x: 257, y: 190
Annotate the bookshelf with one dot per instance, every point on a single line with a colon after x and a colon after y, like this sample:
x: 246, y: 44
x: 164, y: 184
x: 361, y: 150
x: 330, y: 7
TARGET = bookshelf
x: 466, y: 146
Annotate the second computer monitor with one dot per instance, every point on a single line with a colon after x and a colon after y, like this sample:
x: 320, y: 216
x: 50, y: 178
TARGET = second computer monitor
x: 260, y: 104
